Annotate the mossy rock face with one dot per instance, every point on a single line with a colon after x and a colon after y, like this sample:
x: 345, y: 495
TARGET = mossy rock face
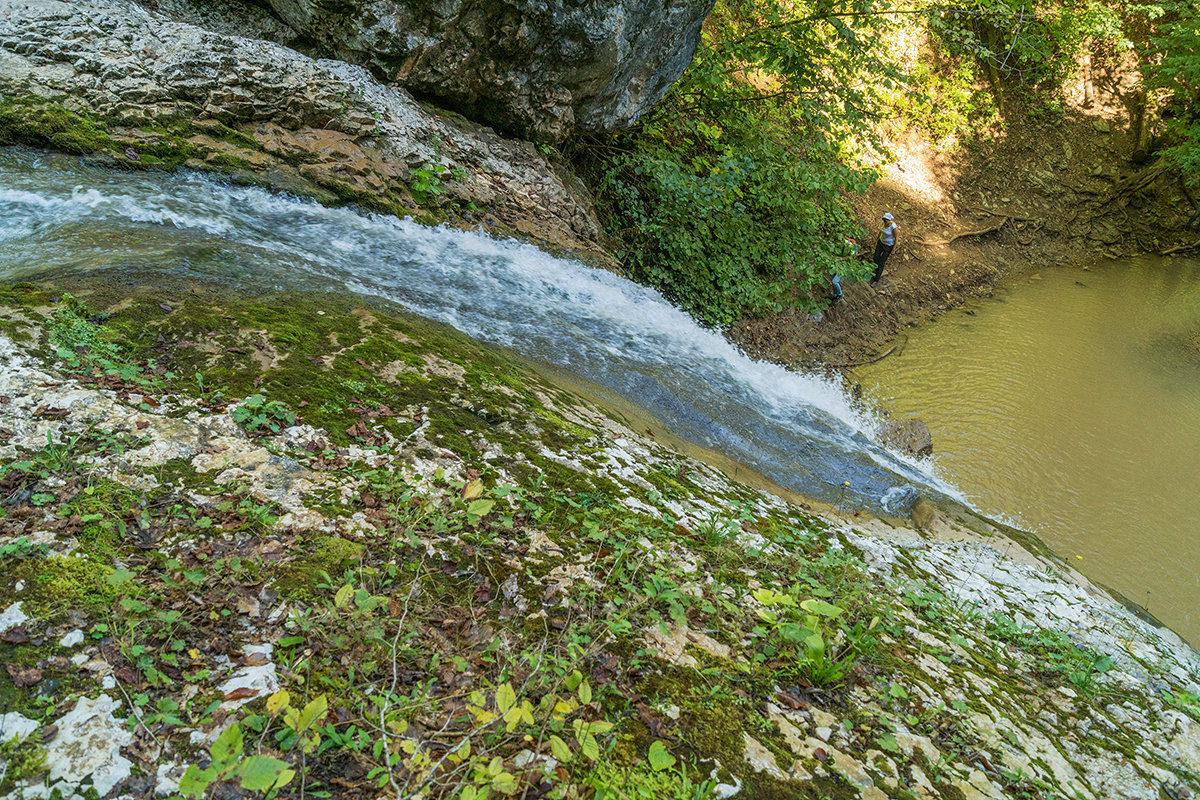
x: 331, y: 556
x: 45, y: 125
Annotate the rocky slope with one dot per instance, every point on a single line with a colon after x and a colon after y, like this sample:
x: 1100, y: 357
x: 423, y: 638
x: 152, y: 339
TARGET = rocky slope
x: 152, y: 92
x: 296, y: 540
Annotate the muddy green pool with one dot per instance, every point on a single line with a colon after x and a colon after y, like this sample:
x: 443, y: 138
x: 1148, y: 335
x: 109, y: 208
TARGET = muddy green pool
x: 1069, y: 404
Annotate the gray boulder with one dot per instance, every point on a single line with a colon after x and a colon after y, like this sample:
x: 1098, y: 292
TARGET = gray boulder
x: 539, y: 68
x: 909, y: 436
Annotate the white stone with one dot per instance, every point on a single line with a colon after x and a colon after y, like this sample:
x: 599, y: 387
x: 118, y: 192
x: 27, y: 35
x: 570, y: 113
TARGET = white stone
x: 88, y: 745
x: 12, y: 616
x: 72, y: 639
x: 167, y: 779
x: 15, y: 726
x: 760, y: 758
x: 262, y: 679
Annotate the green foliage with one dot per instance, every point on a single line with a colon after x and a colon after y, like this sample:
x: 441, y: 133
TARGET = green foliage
x: 21, y: 760
x: 261, y: 416
x: 426, y: 185
x: 806, y: 631
x: 616, y: 782
x: 943, y: 102
x: 1018, y: 42
x: 1055, y: 657
x: 730, y: 195
x: 1173, y: 66
x: 254, y: 773
x: 22, y: 548
x: 85, y: 344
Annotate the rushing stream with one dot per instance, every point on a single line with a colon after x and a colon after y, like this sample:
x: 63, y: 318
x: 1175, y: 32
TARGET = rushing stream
x: 800, y: 431
x: 1071, y: 403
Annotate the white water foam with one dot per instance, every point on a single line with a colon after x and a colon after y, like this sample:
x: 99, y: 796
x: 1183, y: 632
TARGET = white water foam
x: 801, y: 430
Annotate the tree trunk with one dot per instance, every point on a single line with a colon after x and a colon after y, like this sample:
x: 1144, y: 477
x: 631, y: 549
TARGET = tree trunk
x: 1089, y: 92
x: 1143, y: 127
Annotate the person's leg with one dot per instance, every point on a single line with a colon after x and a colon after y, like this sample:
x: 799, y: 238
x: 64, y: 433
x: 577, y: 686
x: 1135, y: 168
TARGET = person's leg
x: 881, y: 255
x: 837, y: 286
x: 1194, y: 219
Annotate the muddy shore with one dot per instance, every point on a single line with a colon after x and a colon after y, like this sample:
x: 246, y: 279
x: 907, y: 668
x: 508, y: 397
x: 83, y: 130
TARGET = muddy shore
x: 1042, y: 193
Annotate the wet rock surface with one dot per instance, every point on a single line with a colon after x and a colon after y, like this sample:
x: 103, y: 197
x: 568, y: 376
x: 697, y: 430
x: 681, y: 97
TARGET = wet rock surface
x: 268, y: 114
x: 910, y: 436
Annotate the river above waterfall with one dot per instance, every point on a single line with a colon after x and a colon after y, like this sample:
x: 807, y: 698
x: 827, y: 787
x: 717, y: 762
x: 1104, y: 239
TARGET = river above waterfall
x: 1070, y: 403
x: 62, y: 216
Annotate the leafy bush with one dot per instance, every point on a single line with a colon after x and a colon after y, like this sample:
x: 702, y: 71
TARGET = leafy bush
x: 1018, y: 42
x: 730, y: 196
x: 260, y: 416
x: 1173, y: 66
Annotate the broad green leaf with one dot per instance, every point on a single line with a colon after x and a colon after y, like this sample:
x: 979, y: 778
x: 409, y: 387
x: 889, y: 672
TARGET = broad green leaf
x: 659, y: 758
x: 196, y: 780
x: 573, y: 680
x: 480, y: 508
x: 472, y: 490
x: 888, y: 742
x: 342, y: 598
x: 794, y: 633
x: 227, y: 749
x: 278, y: 701
x: 312, y: 712
x: 585, y: 693
x: 814, y: 606
x: 560, y: 749
x: 120, y: 576
x: 506, y: 698
x: 814, y: 647
x: 589, y: 746
x: 260, y: 773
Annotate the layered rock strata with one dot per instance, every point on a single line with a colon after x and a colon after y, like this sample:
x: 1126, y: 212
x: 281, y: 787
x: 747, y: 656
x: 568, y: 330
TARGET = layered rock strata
x: 305, y: 122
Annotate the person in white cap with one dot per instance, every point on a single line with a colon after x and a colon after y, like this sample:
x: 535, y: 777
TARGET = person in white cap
x: 883, y: 248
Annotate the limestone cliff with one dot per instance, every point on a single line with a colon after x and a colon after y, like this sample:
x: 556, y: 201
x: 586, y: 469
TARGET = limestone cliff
x: 540, y: 69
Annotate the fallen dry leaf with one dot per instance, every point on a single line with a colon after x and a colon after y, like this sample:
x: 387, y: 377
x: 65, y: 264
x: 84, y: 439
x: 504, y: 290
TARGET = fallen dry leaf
x: 23, y: 676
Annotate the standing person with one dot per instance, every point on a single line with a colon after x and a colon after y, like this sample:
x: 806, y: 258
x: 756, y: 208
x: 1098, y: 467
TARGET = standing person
x: 849, y: 251
x: 883, y: 248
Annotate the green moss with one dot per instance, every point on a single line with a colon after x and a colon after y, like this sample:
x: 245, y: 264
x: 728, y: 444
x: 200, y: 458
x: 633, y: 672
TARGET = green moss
x: 103, y: 504
x: 47, y: 125
x: 330, y: 555
x: 59, y: 584
x: 24, y: 761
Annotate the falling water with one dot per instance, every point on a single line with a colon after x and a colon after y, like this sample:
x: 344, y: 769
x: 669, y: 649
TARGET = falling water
x: 799, y: 430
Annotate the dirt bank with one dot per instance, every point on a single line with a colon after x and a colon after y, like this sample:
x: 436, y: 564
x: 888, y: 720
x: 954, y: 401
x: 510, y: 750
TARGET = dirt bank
x: 1046, y: 190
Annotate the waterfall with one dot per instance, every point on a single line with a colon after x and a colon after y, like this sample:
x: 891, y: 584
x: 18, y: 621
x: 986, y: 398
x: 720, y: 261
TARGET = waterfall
x: 800, y: 430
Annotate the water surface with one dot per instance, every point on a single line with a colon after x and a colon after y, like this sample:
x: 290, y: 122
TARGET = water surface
x: 1070, y: 403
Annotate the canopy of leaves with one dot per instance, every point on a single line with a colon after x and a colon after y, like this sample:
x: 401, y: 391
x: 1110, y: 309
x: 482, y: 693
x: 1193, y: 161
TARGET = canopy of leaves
x: 730, y: 195
x: 1173, y: 65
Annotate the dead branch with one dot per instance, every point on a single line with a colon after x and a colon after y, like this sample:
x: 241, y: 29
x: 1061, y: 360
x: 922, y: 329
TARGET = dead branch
x: 1004, y: 218
x: 1183, y: 248
x: 891, y: 350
